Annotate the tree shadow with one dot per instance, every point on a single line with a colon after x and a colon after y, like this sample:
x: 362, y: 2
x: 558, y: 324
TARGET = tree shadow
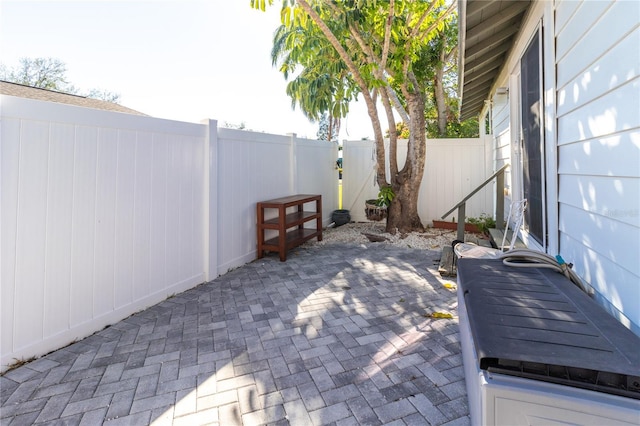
x: 333, y: 333
x: 320, y: 338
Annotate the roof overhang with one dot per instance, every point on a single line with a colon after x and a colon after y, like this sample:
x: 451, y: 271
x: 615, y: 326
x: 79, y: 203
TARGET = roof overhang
x: 487, y: 30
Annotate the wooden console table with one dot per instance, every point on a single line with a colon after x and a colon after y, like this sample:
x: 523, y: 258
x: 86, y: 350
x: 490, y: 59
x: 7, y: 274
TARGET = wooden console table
x: 284, y: 221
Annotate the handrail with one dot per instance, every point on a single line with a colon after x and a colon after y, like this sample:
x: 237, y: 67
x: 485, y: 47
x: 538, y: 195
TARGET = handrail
x: 500, y: 171
x: 499, y: 201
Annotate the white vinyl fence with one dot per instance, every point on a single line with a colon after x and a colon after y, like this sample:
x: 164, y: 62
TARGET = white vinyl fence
x: 257, y: 166
x: 453, y: 168
x: 104, y: 214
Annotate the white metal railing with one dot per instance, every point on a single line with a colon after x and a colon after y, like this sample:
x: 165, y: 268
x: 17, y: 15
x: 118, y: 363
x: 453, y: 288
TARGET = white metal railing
x: 461, y: 206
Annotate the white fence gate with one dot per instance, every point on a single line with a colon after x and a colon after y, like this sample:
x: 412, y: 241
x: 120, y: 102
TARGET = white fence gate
x: 453, y: 168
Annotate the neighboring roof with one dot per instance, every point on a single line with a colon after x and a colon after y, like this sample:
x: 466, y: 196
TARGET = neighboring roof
x: 487, y: 31
x: 22, y: 91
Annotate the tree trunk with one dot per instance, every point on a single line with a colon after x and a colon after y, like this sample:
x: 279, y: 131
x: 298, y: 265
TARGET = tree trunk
x: 441, y: 99
x: 403, y: 212
x: 335, y: 129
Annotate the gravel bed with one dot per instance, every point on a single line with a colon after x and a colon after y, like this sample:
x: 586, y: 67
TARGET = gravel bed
x: 354, y: 232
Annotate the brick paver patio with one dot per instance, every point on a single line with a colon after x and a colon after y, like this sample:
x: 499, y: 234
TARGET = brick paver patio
x: 338, y: 334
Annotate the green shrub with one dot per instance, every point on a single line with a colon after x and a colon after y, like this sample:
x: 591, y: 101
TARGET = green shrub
x: 484, y: 222
x: 385, y: 196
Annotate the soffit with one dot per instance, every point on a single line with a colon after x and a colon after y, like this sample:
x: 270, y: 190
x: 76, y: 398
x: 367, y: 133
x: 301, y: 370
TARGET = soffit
x: 487, y: 31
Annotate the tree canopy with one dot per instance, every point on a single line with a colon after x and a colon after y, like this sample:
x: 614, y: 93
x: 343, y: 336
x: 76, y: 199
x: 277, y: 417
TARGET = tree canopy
x: 384, y: 51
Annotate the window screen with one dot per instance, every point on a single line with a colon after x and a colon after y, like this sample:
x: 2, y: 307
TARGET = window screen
x: 533, y: 172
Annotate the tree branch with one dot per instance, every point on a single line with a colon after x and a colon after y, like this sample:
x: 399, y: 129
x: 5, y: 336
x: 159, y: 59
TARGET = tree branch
x: 441, y: 18
x: 416, y: 29
x: 358, y: 78
x: 370, y: 55
x: 387, y: 35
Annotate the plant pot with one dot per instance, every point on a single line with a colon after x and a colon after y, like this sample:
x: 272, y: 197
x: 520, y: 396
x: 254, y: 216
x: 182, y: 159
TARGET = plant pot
x: 468, y: 227
x: 374, y: 211
x: 340, y: 217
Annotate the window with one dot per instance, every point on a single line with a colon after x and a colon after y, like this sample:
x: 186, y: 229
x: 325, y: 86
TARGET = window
x: 533, y: 182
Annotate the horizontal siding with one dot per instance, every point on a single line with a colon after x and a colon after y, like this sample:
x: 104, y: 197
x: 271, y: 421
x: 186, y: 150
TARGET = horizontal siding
x: 585, y: 16
x: 616, y: 287
x: 594, y: 232
x: 612, y: 113
x: 500, y: 114
x: 502, y: 139
x: 618, y: 66
x: 598, y: 99
x: 501, y: 130
x: 564, y: 12
x: 613, y: 198
x: 621, y: 152
x: 589, y: 41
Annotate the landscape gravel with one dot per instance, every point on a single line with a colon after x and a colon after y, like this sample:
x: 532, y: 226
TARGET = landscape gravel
x: 356, y: 233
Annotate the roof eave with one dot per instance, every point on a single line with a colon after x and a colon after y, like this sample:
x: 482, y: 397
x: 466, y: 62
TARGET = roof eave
x: 484, y: 48
x: 462, y: 24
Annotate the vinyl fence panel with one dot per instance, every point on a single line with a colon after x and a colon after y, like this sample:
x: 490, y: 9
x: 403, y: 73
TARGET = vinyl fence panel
x: 259, y: 166
x: 104, y: 214
x: 252, y: 167
x: 316, y: 173
x: 358, y: 177
x: 91, y: 230
x: 453, y: 168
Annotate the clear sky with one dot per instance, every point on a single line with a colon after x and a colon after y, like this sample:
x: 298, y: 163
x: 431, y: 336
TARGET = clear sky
x: 183, y: 60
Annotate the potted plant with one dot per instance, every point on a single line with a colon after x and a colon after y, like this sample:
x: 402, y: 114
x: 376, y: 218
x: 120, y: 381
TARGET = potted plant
x: 377, y: 209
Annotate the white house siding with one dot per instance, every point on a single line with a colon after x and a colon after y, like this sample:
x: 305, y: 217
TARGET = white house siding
x: 502, y: 143
x: 501, y: 130
x: 598, y: 137
x: 592, y: 137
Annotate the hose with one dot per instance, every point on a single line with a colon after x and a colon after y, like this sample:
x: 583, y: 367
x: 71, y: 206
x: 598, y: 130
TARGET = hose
x: 525, y: 258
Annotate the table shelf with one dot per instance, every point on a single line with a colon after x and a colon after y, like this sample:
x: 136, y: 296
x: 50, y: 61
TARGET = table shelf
x: 288, y: 238
x: 291, y: 219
